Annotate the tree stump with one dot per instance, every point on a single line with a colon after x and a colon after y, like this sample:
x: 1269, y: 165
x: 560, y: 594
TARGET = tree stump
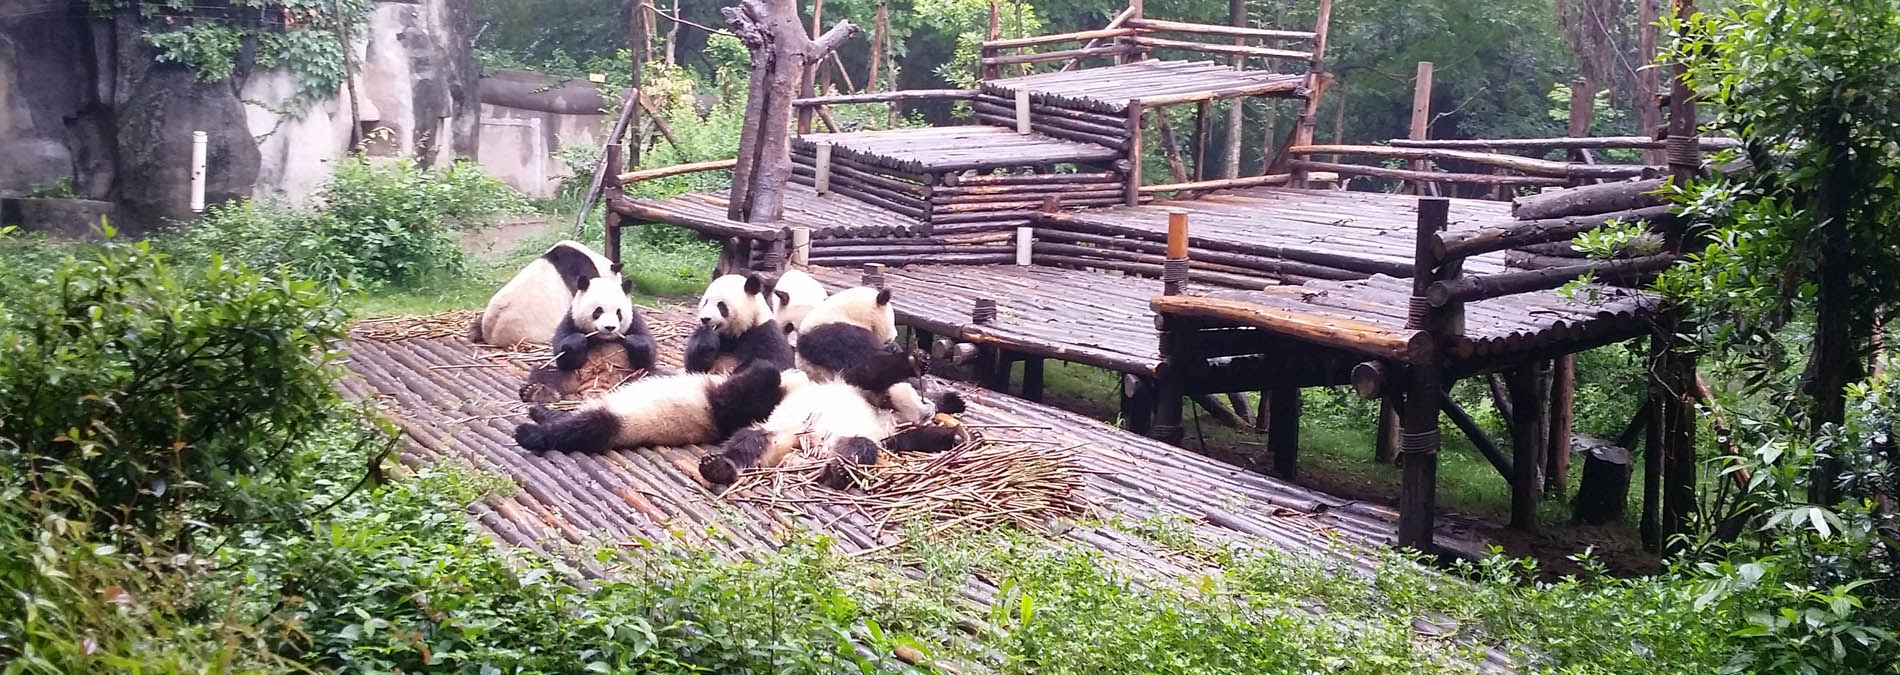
x: 1605, y: 488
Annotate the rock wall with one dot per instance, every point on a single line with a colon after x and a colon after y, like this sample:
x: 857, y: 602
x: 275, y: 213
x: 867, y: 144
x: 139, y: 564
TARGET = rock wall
x: 83, y: 99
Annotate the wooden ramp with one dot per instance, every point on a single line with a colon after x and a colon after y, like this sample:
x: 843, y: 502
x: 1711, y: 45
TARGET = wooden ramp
x: 1108, y: 89
x: 455, y: 404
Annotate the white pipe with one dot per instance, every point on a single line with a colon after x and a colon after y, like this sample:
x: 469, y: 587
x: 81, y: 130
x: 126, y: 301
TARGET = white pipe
x: 198, y: 142
x: 801, y: 245
x: 1025, y: 240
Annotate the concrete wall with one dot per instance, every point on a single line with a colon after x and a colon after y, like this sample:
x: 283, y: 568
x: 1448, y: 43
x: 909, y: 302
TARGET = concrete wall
x: 526, y: 118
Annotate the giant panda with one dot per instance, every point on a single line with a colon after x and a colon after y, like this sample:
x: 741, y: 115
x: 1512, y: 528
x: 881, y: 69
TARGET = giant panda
x: 795, y: 294
x: 532, y: 305
x: 683, y: 409
x: 844, y: 329
x: 844, y: 418
x: 737, y: 326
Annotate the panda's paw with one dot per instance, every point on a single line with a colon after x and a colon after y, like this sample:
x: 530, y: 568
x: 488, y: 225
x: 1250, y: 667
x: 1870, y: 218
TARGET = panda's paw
x: 540, y: 414
x: 925, y: 439
x: 532, y: 437
x: 718, y: 470
x: 641, y: 352
x: 539, y: 393
x: 949, y: 402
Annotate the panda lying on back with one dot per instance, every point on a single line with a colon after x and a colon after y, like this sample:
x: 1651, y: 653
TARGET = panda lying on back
x: 576, y: 301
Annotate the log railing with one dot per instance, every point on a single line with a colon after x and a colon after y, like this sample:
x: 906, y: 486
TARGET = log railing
x: 1129, y: 35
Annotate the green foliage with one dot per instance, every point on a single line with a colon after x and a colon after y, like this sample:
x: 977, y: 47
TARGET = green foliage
x: 163, y: 392
x: 311, y: 46
x: 56, y: 189
x: 1805, y: 85
x: 383, y: 223
x: 211, y: 50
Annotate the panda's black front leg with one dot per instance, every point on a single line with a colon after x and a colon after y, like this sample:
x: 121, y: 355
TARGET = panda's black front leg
x: 642, y: 351
x: 702, y: 349
x: 570, y: 346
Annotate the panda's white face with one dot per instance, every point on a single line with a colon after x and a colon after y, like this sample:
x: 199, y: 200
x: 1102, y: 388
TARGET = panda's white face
x: 601, y: 305
x: 733, y: 304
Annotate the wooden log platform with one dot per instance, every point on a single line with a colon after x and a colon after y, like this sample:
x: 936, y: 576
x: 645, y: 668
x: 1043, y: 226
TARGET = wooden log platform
x: 1356, y: 234
x: 938, y: 150
x: 826, y: 215
x: 1108, y: 89
x: 455, y: 405
x: 1368, y: 317
x: 1095, y: 318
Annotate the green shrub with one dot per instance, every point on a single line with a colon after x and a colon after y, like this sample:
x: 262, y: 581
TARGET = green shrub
x: 174, y: 397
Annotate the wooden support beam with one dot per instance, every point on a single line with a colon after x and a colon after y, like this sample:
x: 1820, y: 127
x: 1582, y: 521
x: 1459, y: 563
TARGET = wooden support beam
x: 1131, y: 193
x: 1283, y: 431
x: 1201, y: 110
x: 1480, y: 440
x: 1418, y: 444
x: 1385, y: 442
x: 1563, y: 396
x: 1530, y: 403
x: 1032, y: 378
x: 1137, y: 404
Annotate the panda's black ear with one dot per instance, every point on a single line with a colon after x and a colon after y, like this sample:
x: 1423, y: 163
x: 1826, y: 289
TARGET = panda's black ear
x: 783, y: 298
x: 883, y: 297
x: 754, y: 284
x: 615, y: 268
x: 626, y: 285
x: 580, y: 284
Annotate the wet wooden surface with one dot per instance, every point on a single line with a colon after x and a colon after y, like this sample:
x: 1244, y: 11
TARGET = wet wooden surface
x: 958, y: 148
x: 1109, y: 88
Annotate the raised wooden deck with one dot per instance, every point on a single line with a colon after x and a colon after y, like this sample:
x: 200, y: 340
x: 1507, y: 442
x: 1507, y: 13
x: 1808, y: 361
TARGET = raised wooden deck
x: 1369, y: 316
x: 961, y: 148
x: 1095, y: 318
x: 825, y: 215
x: 1108, y: 89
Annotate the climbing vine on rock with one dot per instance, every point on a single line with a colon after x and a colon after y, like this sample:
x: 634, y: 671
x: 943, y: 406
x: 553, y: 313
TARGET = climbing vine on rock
x: 306, y: 37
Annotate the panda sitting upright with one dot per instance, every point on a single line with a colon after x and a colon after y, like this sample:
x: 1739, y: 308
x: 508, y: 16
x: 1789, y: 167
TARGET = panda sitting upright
x: 737, y: 326
x: 576, y: 301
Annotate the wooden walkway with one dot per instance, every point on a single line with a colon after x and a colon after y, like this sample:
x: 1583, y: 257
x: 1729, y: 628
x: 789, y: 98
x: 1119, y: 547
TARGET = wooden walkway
x: 1108, y: 89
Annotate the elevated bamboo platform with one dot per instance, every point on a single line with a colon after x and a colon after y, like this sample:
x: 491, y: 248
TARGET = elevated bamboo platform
x: 959, y: 148
x: 825, y: 215
x: 456, y: 405
x: 1109, y: 89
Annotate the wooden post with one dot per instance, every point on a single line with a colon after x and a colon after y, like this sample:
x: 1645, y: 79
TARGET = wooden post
x: 984, y: 312
x: 1025, y: 244
x: 873, y: 276
x: 1385, y: 445
x: 1283, y: 431
x: 1339, y: 116
x: 1421, y: 121
x: 1676, y: 364
x: 801, y: 246
x: 610, y: 222
x: 1236, y: 108
x: 1174, y: 270
x: 1317, y: 80
x: 1032, y: 378
x: 1022, y: 111
x: 1137, y: 401
x: 877, y: 44
x: 1563, y: 396
x: 1648, y: 84
x: 1131, y: 190
x: 1164, y: 132
x: 1166, y: 423
x: 1530, y: 391
x: 637, y: 29
x: 821, y: 173
x: 1583, y: 94
x: 1418, y: 444
x: 1201, y: 120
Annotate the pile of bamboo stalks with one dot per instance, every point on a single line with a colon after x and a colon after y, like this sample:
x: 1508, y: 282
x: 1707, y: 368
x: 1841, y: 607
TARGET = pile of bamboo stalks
x: 980, y: 483
x: 428, y: 326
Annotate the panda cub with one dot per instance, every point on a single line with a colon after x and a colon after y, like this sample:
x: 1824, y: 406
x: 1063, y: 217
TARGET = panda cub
x: 684, y: 409
x: 842, y: 417
x: 737, y: 326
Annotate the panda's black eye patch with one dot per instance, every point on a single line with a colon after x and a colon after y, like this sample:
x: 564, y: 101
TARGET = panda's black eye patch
x: 722, y: 308
x: 598, y: 311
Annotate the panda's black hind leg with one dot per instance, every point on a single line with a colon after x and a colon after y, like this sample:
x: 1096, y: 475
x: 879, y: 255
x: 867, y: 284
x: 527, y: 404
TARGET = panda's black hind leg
x: 737, y: 454
x: 583, y: 431
x: 879, y: 371
x: 848, y: 453
x: 746, y: 396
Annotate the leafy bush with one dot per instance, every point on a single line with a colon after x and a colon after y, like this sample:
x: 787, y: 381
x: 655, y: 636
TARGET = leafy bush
x: 382, y: 223
x: 173, y: 398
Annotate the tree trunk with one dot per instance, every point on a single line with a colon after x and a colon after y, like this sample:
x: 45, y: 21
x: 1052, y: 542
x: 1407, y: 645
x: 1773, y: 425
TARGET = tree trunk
x: 781, y: 56
x: 1835, y: 360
